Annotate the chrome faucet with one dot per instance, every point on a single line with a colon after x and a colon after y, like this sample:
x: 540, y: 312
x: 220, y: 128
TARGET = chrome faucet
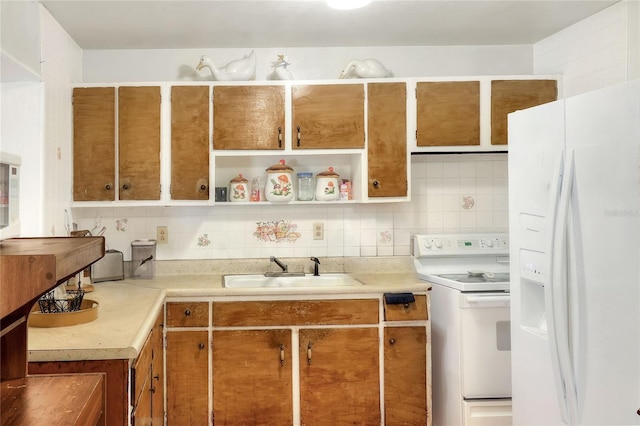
x: 278, y: 262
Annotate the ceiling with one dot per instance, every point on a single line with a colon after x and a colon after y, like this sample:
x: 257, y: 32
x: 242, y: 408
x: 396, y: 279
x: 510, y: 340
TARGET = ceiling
x: 183, y: 24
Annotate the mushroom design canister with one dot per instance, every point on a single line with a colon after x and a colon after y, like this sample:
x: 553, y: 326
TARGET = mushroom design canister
x: 327, y: 185
x: 239, y: 189
x: 279, y: 186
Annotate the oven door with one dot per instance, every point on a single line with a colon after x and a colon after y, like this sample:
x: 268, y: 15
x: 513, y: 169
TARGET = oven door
x: 486, y: 345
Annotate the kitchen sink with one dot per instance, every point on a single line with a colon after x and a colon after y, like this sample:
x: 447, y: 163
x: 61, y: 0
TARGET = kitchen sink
x: 284, y: 281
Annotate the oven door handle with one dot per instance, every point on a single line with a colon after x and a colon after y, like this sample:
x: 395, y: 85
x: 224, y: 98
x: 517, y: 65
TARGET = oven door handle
x: 493, y: 300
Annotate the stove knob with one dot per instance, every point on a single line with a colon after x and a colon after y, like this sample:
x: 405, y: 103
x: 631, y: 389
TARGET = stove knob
x: 488, y: 243
x: 437, y: 243
x: 427, y: 244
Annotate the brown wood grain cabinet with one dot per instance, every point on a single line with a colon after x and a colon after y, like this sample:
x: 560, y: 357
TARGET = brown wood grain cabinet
x: 327, y: 116
x: 387, y: 140
x: 448, y: 113
x: 190, y: 142
x: 248, y: 117
x: 137, y: 109
x: 508, y: 96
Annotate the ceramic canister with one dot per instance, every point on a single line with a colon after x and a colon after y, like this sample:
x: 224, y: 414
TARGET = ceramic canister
x: 279, y: 185
x: 239, y: 189
x: 327, y: 185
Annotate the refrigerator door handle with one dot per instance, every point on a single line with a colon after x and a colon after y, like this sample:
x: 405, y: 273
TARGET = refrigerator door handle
x: 557, y: 298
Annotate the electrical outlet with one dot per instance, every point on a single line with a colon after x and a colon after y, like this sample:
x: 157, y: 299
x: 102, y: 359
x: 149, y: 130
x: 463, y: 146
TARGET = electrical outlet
x: 318, y: 231
x: 162, y: 235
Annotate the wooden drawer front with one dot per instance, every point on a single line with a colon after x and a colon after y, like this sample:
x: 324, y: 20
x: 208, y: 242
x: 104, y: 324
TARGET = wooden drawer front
x: 415, y: 311
x: 141, y: 371
x: 187, y: 314
x: 304, y: 312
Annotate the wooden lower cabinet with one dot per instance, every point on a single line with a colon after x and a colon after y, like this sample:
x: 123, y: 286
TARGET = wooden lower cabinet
x: 187, y: 362
x: 339, y: 380
x: 252, y: 377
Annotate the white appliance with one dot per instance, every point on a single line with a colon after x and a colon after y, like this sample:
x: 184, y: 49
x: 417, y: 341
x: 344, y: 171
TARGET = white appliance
x: 470, y: 326
x: 574, y: 199
x: 9, y: 195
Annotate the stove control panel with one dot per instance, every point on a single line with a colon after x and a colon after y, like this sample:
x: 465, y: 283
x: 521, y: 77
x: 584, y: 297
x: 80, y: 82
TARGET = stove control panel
x: 460, y: 245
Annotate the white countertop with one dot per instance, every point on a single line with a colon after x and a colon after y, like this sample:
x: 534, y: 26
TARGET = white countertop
x: 128, y: 310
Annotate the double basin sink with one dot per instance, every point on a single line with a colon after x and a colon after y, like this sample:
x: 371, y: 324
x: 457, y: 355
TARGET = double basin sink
x: 289, y: 280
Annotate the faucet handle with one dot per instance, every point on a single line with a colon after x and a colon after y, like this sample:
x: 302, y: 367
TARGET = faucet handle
x: 316, y: 262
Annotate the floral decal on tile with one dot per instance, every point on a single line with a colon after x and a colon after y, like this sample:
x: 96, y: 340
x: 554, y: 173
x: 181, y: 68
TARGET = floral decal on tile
x: 278, y: 231
x: 203, y: 240
x: 121, y: 224
x: 386, y: 237
x: 468, y: 202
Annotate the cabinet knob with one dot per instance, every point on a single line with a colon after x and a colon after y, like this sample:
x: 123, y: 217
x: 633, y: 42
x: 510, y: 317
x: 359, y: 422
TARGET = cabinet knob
x: 203, y: 187
x: 152, y: 390
x: 125, y: 187
x: 107, y: 187
x: 376, y: 184
x: 187, y: 312
x: 392, y: 341
x: 201, y: 346
x: 638, y: 412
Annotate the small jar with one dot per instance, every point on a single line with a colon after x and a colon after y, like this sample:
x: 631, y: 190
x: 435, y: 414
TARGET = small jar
x: 305, y: 186
x: 327, y: 185
x: 239, y: 189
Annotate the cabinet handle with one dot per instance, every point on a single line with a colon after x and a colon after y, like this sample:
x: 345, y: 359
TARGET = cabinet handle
x: 281, y: 354
x: 157, y: 377
x: 107, y: 187
x: 279, y: 137
x: 125, y: 187
x: 201, y: 346
x: 392, y: 341
x: 298, y: 136
x: 153, y: 390
x: 187, y: 312
x: 309, y: 353
x: 376, y: 184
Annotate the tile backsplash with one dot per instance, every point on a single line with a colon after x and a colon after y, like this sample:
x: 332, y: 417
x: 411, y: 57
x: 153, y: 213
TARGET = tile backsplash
x: 450, y: 193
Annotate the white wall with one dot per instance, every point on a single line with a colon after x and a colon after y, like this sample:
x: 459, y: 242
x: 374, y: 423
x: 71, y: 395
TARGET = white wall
x: 596, y: 52
x: 61, y: 65
x: 308, y: 63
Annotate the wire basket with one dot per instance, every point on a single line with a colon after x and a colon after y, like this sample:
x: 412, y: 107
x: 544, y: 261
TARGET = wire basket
x: 49, y: 304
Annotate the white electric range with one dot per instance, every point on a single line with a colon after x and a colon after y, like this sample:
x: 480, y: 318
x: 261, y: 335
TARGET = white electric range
x: 470, y: 326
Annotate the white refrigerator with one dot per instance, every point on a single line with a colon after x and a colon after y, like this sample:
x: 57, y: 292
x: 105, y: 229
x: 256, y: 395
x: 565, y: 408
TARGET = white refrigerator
x: 574, y: 201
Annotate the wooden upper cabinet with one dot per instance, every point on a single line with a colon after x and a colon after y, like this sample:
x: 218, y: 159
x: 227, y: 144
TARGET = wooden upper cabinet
x: 139, y: 142
x: 508, y: 96
x: 387, y: 148
x: 248, y: 117
x: 328, y: 116
x: 190, y: 143
x: 94, y: 143
x: 448, y: 113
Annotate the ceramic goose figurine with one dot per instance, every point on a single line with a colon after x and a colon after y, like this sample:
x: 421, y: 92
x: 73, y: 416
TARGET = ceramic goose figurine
x: 242, y: 69
x: 367, y: 68
x: 281, y: 71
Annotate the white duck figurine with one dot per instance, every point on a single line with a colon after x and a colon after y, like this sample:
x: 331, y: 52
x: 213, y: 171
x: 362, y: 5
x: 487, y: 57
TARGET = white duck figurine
x: 281, y: 71
x: 242, y: 69
x: 367, y: 68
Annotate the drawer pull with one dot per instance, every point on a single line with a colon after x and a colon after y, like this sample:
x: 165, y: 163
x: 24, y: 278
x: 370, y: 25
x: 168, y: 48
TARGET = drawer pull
x: 392, y: 341
x: 107, y: 186
x: 201, y: 346
x: 309, y: 353
x: 203, y: 187
x: 279, y: 137
x: 281, y: 354
x: 125, y: 186
x: 187, y: 312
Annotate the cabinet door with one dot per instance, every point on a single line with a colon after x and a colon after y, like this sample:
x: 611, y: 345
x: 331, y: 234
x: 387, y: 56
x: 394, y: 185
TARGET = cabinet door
x: 405, y: 376
x: 339, y: 378
x: 190, y: 143
x: 157, y: 372
x: 141, y: 415
x: 94, y: 144
x: 328, y: 116
x: 448, y: 113
x: 387, y: 148
x: 508, y: 96
x: 187, y: 355
x: 248, y: 117
x: 139, y: 142
x: 252, y: 377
